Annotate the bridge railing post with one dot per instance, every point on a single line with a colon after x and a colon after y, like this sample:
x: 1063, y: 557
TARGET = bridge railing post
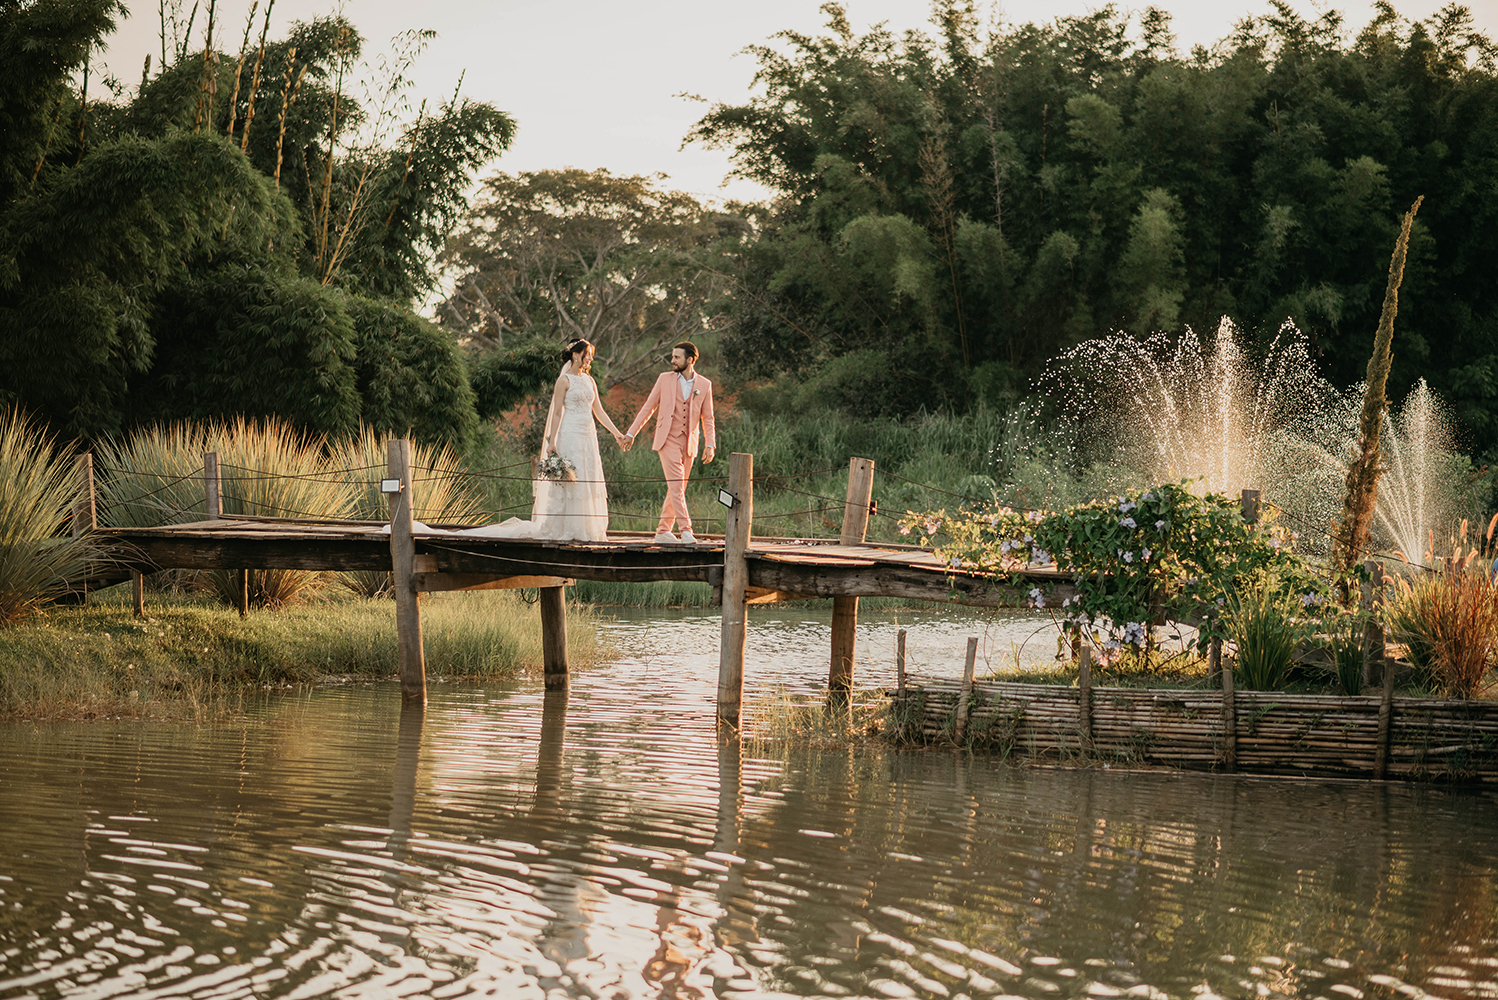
x: 737, y: 524
x: 403, y: 570
x: 845, y: 609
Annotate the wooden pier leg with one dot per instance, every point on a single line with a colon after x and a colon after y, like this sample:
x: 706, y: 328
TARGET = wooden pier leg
x: 138, y: 592
x: 553, y: 601
x: 736, y: 528
x: 965, y: 696
x: 212, y: 487
x: 1084, y: 695
x: 242, y: 591
x: 1385, y: 723
x: 413, y: 673
x: 1229, y: 721
x: 845, y: 609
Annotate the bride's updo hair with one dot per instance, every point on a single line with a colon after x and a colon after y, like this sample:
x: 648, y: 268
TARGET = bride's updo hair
x: 578, y: 346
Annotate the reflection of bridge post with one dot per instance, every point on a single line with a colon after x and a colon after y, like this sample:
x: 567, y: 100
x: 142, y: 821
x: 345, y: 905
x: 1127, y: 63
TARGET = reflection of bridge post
x: 547, y: 801
x: 729, y: 841
x: 403, y: 777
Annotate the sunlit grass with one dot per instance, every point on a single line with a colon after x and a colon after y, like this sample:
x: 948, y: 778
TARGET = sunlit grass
x: 189, y: 656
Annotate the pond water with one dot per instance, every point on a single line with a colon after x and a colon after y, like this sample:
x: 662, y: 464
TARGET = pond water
x: 607, y: 843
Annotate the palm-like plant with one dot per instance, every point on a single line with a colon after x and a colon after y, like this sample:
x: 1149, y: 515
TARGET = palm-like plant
x: 38, y: 490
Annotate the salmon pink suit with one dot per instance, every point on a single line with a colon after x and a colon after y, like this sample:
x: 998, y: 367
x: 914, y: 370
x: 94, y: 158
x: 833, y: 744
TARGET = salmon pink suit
x: 686, y: 407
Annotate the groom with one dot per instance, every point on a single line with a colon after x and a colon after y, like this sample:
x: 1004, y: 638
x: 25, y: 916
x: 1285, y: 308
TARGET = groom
x: 685, y: 400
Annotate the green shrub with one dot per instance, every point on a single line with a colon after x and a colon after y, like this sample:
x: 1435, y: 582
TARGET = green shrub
x: 1261, y: 622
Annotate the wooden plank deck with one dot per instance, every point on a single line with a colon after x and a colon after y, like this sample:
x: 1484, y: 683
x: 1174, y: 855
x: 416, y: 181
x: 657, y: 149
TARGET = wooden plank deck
x: 779, y: 568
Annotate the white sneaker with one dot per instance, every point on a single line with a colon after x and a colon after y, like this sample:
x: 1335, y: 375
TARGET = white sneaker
x: 687, y: 538
x: 665, y: 538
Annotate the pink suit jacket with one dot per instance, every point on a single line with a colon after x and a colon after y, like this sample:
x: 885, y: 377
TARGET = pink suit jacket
x: 700, y: 412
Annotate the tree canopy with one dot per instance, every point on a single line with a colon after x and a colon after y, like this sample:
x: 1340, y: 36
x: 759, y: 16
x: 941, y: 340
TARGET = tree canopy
x: 240, y: 235
x: 954, y: 209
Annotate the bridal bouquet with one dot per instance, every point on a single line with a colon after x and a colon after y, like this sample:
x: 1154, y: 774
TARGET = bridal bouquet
x: 557, y: 468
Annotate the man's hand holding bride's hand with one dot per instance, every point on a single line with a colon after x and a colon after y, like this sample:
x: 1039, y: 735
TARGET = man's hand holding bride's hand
x: 625, y: 440
x: 707, y: 456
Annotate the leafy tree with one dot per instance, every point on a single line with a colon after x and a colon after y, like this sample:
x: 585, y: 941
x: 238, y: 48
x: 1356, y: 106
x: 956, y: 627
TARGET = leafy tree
x: 239, y: 236
x: 1081, y: 176
x: 555, y: 255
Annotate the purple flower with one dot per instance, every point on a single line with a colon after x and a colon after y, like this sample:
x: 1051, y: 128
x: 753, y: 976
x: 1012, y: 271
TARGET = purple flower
x: 1128, y: 522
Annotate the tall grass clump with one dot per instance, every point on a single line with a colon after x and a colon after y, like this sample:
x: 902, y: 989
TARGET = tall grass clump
x: 268, y: 469
x: 37, y: 492
x: 1448, y: 618
x: 444, y: 494
x: 1261, y: 621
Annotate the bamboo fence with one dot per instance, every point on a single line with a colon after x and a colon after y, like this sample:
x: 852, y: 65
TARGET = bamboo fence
x: 1272, y: 732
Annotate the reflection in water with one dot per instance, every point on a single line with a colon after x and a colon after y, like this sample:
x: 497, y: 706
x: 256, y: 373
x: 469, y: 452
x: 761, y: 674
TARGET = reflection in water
x: 506, y: 843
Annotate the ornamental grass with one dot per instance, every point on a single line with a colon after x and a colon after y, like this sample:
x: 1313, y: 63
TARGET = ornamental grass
x: 1261, y: 622
x: 267, y: 469
x: 1448, y: 618
x: 38, y: 489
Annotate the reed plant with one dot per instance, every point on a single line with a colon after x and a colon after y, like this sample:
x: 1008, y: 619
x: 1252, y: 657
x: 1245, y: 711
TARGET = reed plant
x: 38, y: 490
x: 1450, y: 616
x: 444, y: 493
x: 268, y: 469
x: 1261, y: 622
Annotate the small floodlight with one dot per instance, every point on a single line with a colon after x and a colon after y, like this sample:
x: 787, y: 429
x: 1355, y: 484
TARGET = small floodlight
x: 727, y: 499
x: 390, y: 485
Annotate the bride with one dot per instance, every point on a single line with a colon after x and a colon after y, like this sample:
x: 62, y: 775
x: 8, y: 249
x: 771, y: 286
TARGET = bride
x: 564, y: 510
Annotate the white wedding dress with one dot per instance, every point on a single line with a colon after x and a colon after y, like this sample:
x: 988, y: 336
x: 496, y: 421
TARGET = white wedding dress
x: 567, y: 511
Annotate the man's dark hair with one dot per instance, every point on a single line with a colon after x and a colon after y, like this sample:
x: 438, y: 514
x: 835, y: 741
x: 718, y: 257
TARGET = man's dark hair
x: 688, y: 348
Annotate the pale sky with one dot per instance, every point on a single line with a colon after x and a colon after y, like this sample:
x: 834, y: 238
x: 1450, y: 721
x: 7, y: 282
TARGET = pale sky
x: 592, y: 83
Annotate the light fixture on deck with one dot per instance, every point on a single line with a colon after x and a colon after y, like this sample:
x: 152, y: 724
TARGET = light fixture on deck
x: 390, y: 485
x: 727, y: 499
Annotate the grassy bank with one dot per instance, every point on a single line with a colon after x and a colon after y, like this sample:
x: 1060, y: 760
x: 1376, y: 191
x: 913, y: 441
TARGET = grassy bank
x: 192, y: 655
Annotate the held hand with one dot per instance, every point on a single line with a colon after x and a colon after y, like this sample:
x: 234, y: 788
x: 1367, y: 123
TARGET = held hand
x: 708, y: 455
x: 629, y: 439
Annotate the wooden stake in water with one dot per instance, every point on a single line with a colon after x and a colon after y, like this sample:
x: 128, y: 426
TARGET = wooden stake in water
x: 1229, y: 721
x: 413, y: 673
x: 900, y: 665
x: 965, y: 698
x: 1084, y: 694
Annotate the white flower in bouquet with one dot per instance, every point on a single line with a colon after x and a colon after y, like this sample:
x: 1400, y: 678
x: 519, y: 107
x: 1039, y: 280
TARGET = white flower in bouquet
x: 557, y: 468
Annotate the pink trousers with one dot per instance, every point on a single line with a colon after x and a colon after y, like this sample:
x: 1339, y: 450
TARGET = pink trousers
x: 675, y: 465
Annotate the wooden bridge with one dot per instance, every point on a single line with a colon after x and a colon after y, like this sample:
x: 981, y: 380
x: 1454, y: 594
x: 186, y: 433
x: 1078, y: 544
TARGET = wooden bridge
x: 741, y: 569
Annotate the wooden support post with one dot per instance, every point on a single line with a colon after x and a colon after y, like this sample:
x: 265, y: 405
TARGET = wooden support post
x: 1229, y: 721
x: 1385, y: 723
x: 965, y: 696
x: 553, y: 601
x: 413, y: 672
x: 736, y: 529
x: 900, y: 665
x: 845, y: 609
x: 1084, y: 695
x: 1250, y: 503
x: 85, y: 512
x: 1214, y: 661
x: 1373, y: 630
x: 242, y: 591
x: 212, y: 486
x: 138, y: 592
